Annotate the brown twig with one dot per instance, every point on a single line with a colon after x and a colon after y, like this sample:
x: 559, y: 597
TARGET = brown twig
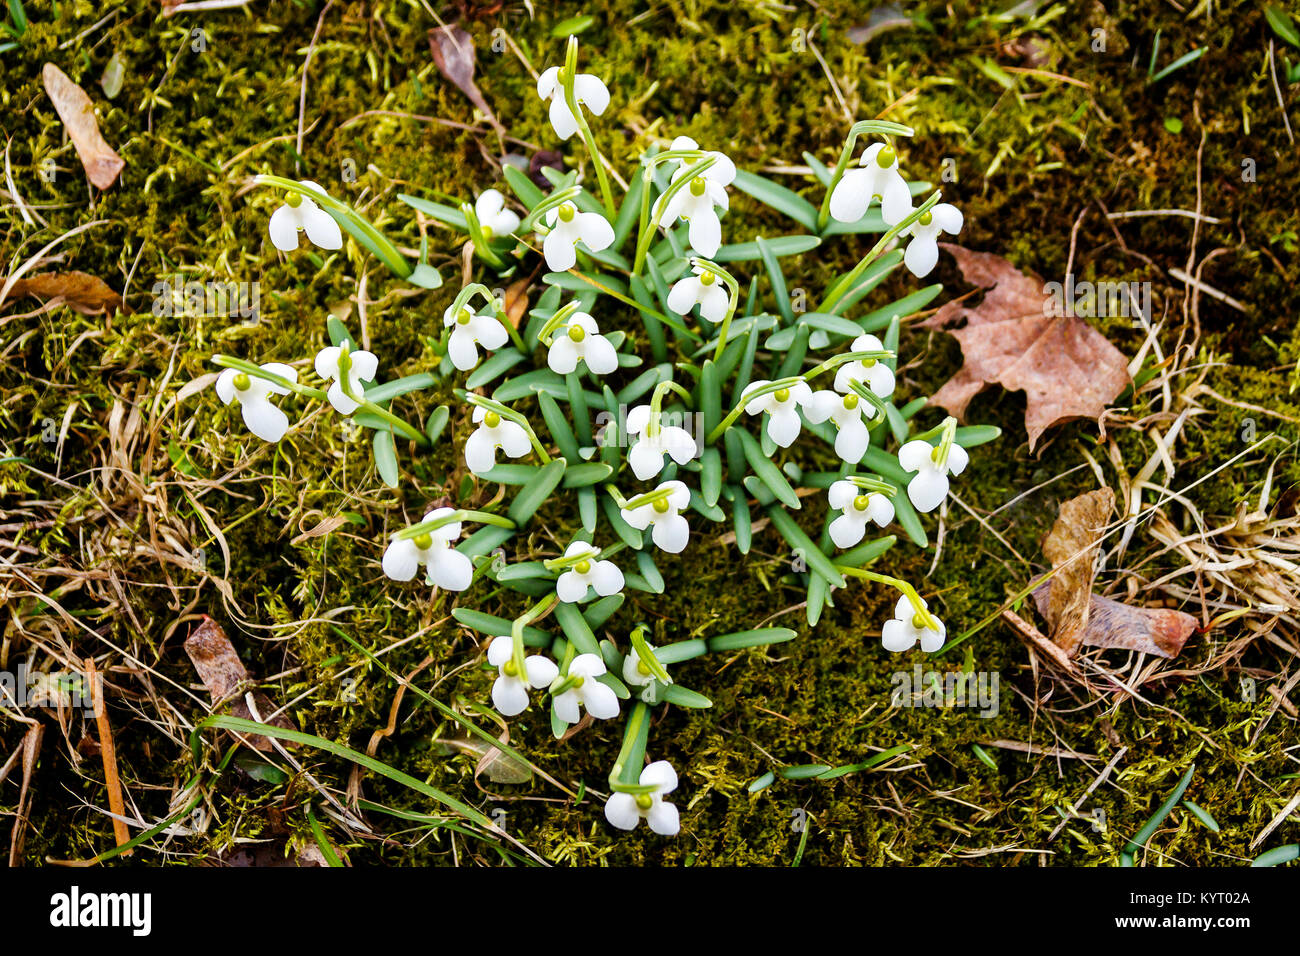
x: 111, y: 779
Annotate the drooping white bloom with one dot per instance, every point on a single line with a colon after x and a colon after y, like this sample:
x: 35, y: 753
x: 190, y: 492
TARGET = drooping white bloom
x: 700, y: 288
x: 319, y: 225
x: 604, y: 576
x: 447, y: 568
x: 671, y: 530
x: 588, y: 91
x: 635, y: 671
x: 364, y: 368
x: 494, y: 432
x: 876, y: 375
x: 875, y: 177
x: 510, y: 690
x: 859, y: 507
x: 493, y: 216
x: 580, y: 340
x: 647, y: 456
x: 929, y: 486
x: 782, y: 407
x: 599, y: 700
x: 263, y: 419
x: 696, y: 201
x: 850, y: 415
x: 468, y: 331
x: 906, y: 628
x: 923, y: 249
x: 568, y: 228
x: 626, y: 810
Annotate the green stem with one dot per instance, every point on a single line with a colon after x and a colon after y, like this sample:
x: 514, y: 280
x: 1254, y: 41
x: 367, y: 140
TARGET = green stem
x: 568, y: 75
x: 517, y: 632
x: 909, y: 592
x: 624, y: 776
x: 846, y: 154
x: 460, y: 514
x: 841, y: 288
x: 410, y: 431
x: 256, y: 371
x: 682, y: 182
x: 508, y: 413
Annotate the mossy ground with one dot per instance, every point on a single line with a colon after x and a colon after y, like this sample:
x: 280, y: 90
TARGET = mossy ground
x: 747, y: 78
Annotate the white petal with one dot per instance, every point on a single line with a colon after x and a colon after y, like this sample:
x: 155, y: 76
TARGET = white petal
x: 645, y: 460
x: 226, y: 386
x: 401, y: 560
x: 509, y: 696
x: 852, y: 441
x: 880, y: 379
x: 600, y: 356
x: 558, y: 249
x: 566, y: 706
x: 601, y: 701
x: 671, y: 533
x: 659, y: 775
x: 931, y: 641
x: 714, y: 301
x: 284, y: 371
x: 480, y: 451
x: 705, y: 232
x: 822, y: 405
x: 896, y: 636
x: 783, y: 426
x: 562, y: 120
x: 283, y: 229
x: 321, y: 228
x: 265, y: 420
x: 851, y: 197
x: 880, y: 510
x: 915, y: 455
x: 586, y: 665
x: 896, y: 199
x: 958, y: 459
x: 607, y: 578
x: 448, y: 532
x: 327, y: 362
x: 547, y: 83
x: 632, y: 671
x: 571, y: 587
x: 622, y: 812
x: 762, y: 403
x: 638, y: 518
x: 591, y: 92
x: 921, y: 256
x: 364, y: 365
x: 637, y: 419
x: 927, y: 490
x: 595, y: 230
x: 461, y: 348
x: 678, y: 442
x: 684, y: 294
x: 679, y: 496
x: 563, y: 356
x: 541, y: 671
x: 948, y: 217
x: 500, y: 650
x: 490, y: 333
x: 663, y: 819
x: 513, y: 439
x: 342, y: 404
x: 451, y: 570
x: 841, y: 493
x: 847, y: 530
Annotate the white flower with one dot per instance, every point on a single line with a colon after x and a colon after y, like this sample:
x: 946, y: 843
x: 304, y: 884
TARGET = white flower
x: 494, y: 432
x: 859, y: 507
x: 703, y: 289
x: 588, y: 91
x: 364, y: 367
x: 647, y: 456
x: 876, y: 177
x: 509, y: 690
x: 876, y: 376
x: 319, y: 225
x: 604, y: 576
x: 634, y: 671
x: 847, y: 412
x: 671, y: 530
x: 599, y: 700
x: 782, y: 407
x: 568, y: 228
x: 580, y: 340
x: 695, y: 203
x: 923, y: 251
x: 491, y: 212
x: 263, y: 419
x: 469, y: 331
x: 906, y: 628
x: 626, y: 810
x: 447, y: 567
x: 929, y: 486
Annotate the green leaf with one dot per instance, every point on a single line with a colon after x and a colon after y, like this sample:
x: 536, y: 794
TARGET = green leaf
x: 400, y: 386
x: 1278, y: 855
x: 650, y: 571
x: 780, y: 292
x: 496, y: 626
x: 497, y: 365
x: 598, y: 612
x: 575, y: 628
x: 679, y: 695
x: 766, y: 471
x: 449, y: 215
x: 755, y: 638
x: 778, y: 245
x: 778, y: 197
x: 559, y: 426
x: 425, y: 276
x: 797, y: 539
x: 971, y: 435
x: 338, y: 333
x: 527, y: 191
x: 586, y: 473
x: 742, y: 522
x: 710, y: 476
x: 386, y: 458
x: 1202, y: 815
x: 537, y: 490
x: 804, y: 771
x: 572, y: 27
x: 763, y: 782
x: 1282, y: 24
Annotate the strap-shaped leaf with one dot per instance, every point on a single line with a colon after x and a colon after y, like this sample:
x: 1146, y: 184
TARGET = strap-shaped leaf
x: 586, y: 473
x: 492, y: 368
x: 682, y: 697
x: 559, y: 426
x: 629, y: 535
x: 496, y: 626
x: 385, y: 452
x: 778, y: 197
x: 400, y: 386
x: 576, y: 629
x: 755, y: 638
x: 780, y: 292
x: 527, y: 191
x: 537, y: 490
x: 779, y: 246
x: 449, y: 215
x: 598, y: 612
x: 804, y: 546
x: 766, y: 471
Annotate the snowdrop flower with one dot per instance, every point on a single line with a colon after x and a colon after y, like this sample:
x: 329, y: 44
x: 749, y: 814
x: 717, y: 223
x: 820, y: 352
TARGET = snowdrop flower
x: 588, y: 91
x: 847, y: 412
x: 491, y: 212
x: 872, y: 373
x: 447, y: 568
x: 299, y: 212
x: 671, y: 531
x: 494, y: 432
x: 468, y: 331
x: 263, y: 419
x: 604, y: 576
x: 782, y: 407
x: 876, y: 177
x: 695, y: 203
x: 647, y: 456
x: 635, y: 672
x: 929, y: 486
x: 906, y: 628
x: 568, y: 228
x: 510, y: 690
x: 581, y: 341
x: 859, y: 507
x: 703, y: 289
x: 923, y: 250
x: 626, y: 810
x: 599, y: 700
x: 364, y: 368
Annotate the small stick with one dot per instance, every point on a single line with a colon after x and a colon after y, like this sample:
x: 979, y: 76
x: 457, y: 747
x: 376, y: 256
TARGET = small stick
x: 114, y: 783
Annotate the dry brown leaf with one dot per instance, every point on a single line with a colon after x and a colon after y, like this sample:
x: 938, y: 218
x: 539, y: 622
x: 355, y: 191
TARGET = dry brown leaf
x: 516, y: 300
x: 224, y: 675
x: 453, y: 54
x: 1074, y: 614
x: 79, y: 290
x: 1066, y: 368
x: 78, y: 114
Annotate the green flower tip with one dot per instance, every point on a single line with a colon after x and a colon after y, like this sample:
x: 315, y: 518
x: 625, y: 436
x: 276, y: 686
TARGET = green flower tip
x: 242, y: 382
x: 423, y: 541
x: 851, y: 400
x: 860, y: 502
x: 491, y: 419
x: 567, y: 212
x: 292, y: 200
x: 577, y: 333
x: 886, y: 157
x: 697, y: 186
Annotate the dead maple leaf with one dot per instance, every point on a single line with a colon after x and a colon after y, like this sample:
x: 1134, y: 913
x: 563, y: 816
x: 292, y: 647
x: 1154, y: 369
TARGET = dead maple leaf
x: 81, y: 291
x: 224, y: 675
x: 1075, y: 615
x: 74, y: 107
x: 453, y: 54
x: 516, y: 300
x: 1066, y: 368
